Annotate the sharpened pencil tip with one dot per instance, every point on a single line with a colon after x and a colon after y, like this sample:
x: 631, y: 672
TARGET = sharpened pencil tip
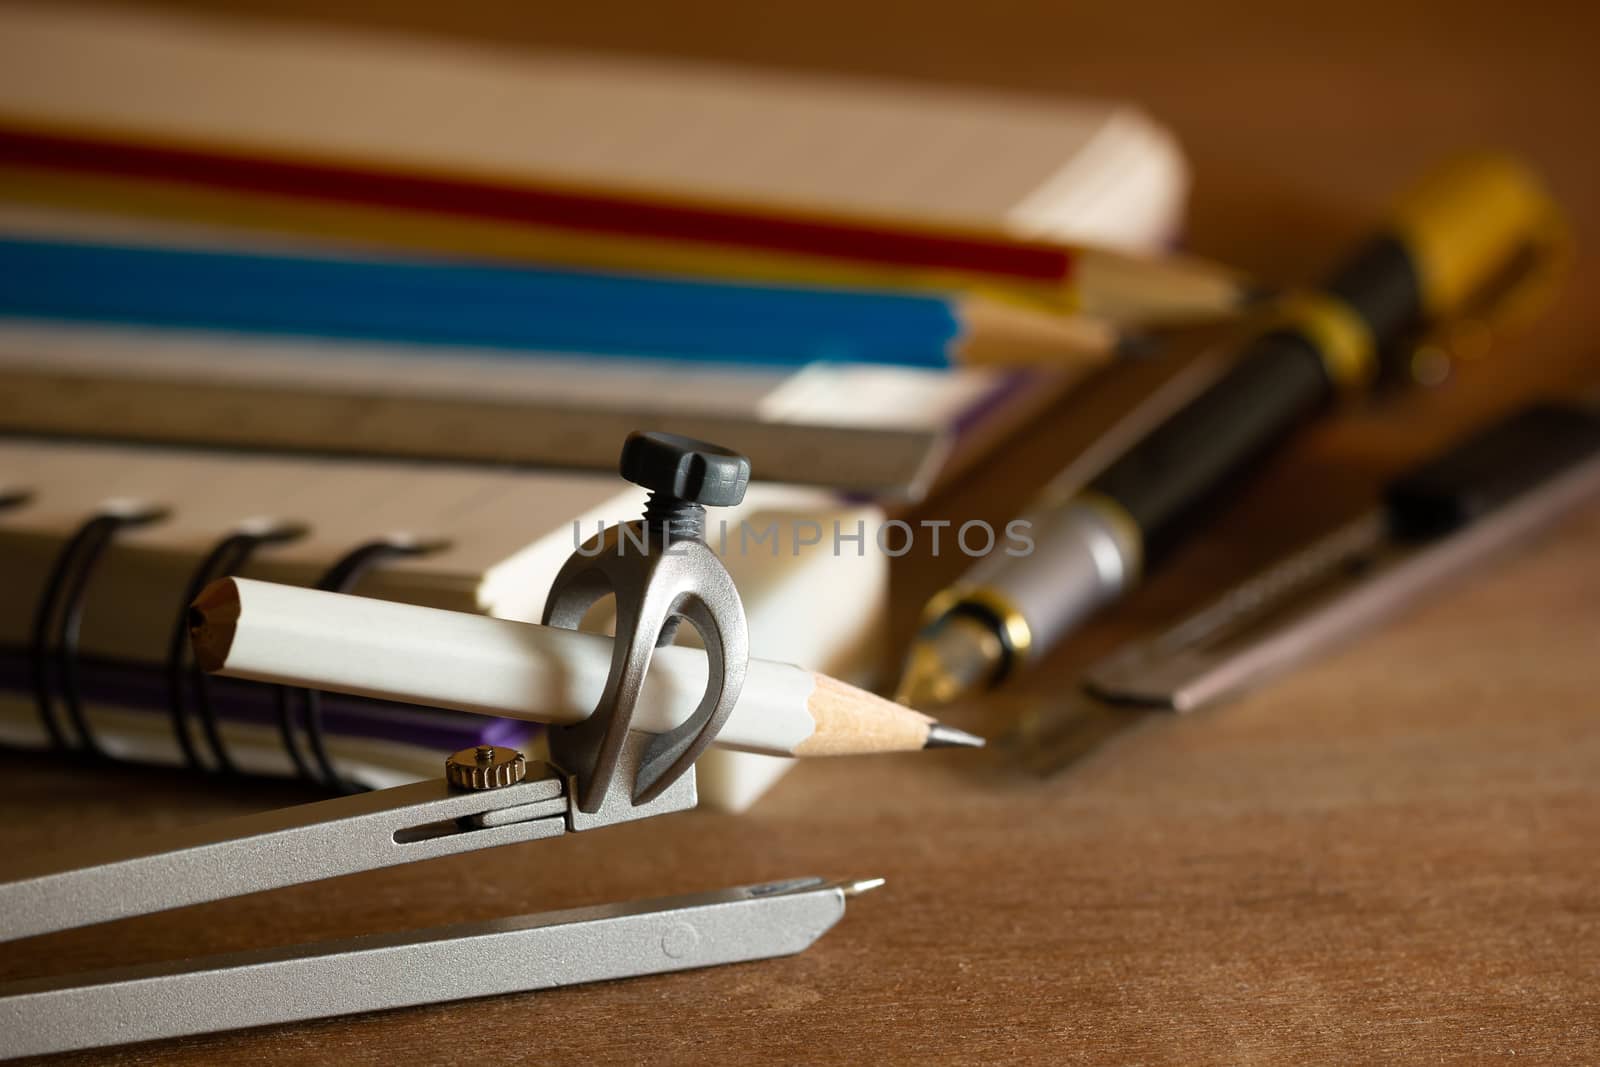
x: 942, y: 736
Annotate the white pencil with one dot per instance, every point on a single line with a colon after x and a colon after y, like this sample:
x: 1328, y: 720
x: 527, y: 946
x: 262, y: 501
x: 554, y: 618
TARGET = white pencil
x: 448, y: 659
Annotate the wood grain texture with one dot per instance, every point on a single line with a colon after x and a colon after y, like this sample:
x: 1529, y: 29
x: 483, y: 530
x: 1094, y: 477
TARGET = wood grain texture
x: 1391, y: 855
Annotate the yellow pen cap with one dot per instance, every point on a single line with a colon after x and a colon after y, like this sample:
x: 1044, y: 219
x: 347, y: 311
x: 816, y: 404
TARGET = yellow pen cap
x: 1471, y: 223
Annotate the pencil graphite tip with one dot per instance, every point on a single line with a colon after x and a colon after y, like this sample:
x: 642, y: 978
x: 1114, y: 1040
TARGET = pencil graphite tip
x: 942, y: 736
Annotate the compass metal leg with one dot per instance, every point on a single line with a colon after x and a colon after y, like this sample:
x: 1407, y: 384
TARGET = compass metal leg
x: 446, y: 963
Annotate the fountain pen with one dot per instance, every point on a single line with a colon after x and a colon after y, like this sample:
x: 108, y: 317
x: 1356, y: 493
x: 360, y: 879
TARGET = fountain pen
x: 1450, y: 248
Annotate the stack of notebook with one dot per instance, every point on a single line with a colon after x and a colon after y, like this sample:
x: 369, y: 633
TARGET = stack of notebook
x: 392, y: 276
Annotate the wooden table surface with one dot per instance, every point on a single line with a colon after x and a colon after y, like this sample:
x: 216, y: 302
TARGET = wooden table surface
x: 1392, y: 854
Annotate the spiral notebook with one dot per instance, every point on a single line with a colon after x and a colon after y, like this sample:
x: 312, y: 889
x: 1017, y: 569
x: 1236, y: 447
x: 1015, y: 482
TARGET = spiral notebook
x: 102, y: 546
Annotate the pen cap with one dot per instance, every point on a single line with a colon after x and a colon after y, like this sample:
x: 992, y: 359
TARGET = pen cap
x: 1482, y: 230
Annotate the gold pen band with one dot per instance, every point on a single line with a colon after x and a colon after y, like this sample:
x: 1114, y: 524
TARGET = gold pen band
x: 1011, y: 626
x: 1341, y: 337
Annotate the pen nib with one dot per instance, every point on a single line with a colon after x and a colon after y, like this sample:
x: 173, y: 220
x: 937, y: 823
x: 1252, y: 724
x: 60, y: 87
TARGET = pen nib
x: 957, y: 656
x: 942, y: 736
x: 924, y: 683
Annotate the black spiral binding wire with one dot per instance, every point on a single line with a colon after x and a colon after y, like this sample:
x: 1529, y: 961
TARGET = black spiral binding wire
x: 229, y: 556
x: 59, y: 618
x: 339, y: 578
